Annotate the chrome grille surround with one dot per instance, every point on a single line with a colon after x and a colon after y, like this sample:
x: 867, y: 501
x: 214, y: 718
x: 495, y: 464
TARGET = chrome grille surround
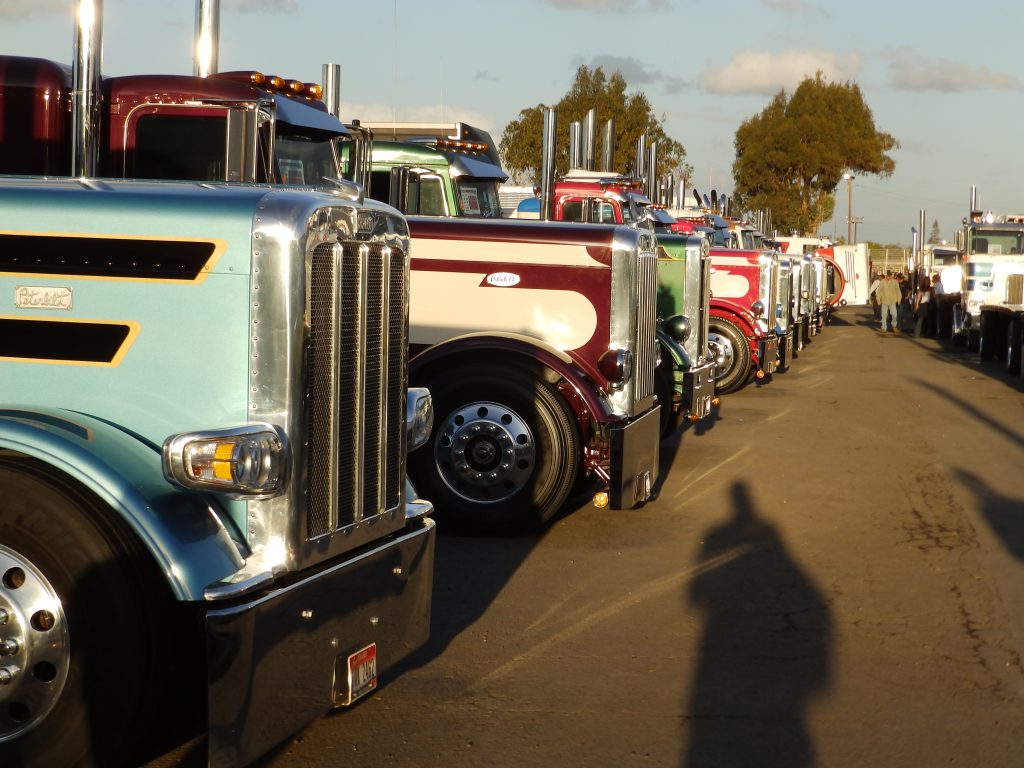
x: 335, y: 330
x: 768, y: 269
x: 696, y: 284
x: 1015, y: 289
x: 633, y: 317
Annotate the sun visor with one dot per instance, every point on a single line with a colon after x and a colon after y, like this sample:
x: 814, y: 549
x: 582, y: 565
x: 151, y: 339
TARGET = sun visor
x: 304, y: 116
x: 479, y: 169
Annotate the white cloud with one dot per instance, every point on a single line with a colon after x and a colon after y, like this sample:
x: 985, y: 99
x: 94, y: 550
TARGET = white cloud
x: 765, y: 72
x: 635, y: 72
x: 610, y: 6
x: 800, y: 8
x: 913, y: 73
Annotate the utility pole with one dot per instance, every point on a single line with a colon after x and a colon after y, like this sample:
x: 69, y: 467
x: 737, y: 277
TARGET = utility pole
x: 849, y: 205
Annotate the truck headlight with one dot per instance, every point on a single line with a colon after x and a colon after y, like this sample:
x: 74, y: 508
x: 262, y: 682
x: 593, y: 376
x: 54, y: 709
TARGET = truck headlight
x: 678, y: 328
x: 757, y: 308
x: 616, y: 365
x: 240, y: 462
x: 419, y: 417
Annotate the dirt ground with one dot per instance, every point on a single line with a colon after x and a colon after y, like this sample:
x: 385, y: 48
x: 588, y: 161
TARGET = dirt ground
x: 831, y: 575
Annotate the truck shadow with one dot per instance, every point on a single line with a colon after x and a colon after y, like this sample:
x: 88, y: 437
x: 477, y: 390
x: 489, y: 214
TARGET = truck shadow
x: 1004, y: 514
x: 964, y: 405
x: 765, y: 649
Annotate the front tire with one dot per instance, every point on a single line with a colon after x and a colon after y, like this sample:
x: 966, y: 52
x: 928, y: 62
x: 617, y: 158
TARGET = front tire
x: 732, y: 363
x: 504, y: 452
x: 82, y: 609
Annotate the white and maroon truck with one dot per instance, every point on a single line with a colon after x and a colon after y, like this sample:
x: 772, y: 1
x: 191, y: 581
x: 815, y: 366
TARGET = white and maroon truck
x: 538, y: 343
x: 744, y: 290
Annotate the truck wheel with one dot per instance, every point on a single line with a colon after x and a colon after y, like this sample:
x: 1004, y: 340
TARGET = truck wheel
x: 1014, y: 338
x: 732, y: 363
x: 987, y: 337
x: 84, y: 676
x: 504, y: 452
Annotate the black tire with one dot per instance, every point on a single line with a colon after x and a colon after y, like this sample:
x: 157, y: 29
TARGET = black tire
x: 987, y: 337
x: 664, y: 388
x: 516, y: 411
x: 1015, y: 337
x: 91, y: 669
x: 733, y: 367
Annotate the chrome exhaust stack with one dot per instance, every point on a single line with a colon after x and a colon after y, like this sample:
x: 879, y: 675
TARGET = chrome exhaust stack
x: 207, y: 40
x: 86, y: 88
x: 547, y: 166
x: 608, y: 147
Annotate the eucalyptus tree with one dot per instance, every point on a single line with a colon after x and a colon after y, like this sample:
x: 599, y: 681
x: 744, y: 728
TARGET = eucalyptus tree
x: 791, y: 156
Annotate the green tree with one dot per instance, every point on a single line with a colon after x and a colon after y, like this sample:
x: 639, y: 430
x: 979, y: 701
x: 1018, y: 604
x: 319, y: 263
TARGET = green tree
x: 522, y: 140
x: 935, y: 236
x: 792, y: 155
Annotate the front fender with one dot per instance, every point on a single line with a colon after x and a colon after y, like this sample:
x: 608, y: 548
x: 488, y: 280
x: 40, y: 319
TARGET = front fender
x: 184, y: 533
x: 476, y: 346
x: 744, y: 318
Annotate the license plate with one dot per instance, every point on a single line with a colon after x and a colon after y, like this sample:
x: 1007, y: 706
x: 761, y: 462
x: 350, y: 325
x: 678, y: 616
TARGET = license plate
x: 360, y: 674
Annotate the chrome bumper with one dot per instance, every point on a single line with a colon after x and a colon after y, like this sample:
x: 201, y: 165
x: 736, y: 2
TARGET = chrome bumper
x: 768, y: 354
x: 634, y: 459
x: 274, y: 662
x: 698, y: 390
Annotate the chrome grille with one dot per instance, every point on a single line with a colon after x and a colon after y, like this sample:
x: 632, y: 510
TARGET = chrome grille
x: 705, y: 306
x: 647, y: 313
x: 355, y: 385
x: 1015, y: 289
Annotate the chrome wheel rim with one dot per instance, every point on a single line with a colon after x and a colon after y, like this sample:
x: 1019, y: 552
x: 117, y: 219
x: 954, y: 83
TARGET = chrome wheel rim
x: 485, y: 452
x: 725, y: 355
x: 35, y: 651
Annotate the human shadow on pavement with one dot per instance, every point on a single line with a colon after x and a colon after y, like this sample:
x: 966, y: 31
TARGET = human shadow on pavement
x: 1004, y: 514
x: 765, y: 649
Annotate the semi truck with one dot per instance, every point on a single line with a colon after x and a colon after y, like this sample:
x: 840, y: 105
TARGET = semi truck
x: 744, y: 342
x: 203, y: 437
x: 545, y: 338
x: 205, y: 414
x: 993, y: 251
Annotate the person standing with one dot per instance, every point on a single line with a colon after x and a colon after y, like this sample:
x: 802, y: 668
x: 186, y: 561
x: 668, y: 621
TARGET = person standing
x: 938, y: 290
x: 922, y: 307
x: 873, y: 296
x: 889, y: 295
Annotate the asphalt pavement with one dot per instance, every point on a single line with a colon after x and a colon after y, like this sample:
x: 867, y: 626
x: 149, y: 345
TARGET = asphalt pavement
x: 832, y: 574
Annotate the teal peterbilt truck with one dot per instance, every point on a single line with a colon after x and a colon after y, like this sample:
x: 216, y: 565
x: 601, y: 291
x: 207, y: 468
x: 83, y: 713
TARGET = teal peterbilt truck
x: 204, y: 422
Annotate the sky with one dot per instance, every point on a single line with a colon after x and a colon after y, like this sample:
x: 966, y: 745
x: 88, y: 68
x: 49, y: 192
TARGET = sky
x: 942, y: 77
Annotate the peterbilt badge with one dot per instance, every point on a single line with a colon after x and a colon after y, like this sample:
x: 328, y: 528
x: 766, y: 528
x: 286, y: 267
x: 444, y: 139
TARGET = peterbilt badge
x: 42, y: 297
x: 503, y: 279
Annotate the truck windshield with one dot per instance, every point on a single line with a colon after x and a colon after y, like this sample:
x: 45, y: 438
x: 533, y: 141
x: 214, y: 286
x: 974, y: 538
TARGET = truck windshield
x: 996, y: 241
x: 478, y: 198
x: 303, y: 159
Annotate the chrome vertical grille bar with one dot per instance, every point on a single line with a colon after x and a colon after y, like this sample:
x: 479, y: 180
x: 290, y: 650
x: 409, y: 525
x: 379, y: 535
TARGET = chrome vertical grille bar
x: 374, y: 381
x: 1015, y: 289
x: 396, y: 341
x: 321, y: 389
x: 645, y: 348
